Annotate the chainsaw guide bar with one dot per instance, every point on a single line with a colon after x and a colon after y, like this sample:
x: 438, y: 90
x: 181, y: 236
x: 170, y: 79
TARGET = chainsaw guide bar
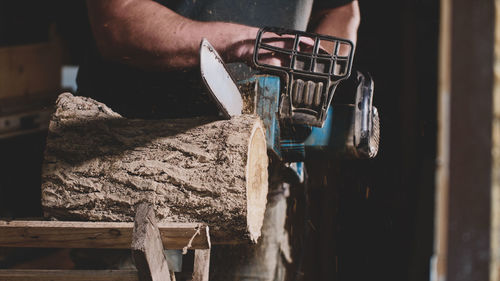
x: 218, y: 81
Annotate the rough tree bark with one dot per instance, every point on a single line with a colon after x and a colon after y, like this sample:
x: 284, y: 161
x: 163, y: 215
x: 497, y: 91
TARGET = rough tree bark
x: 99, y: 165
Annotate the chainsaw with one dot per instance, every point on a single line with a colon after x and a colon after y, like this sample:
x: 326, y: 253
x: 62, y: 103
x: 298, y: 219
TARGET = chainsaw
x: 294, y: 98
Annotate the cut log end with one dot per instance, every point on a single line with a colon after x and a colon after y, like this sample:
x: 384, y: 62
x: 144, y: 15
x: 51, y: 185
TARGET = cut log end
x: 257, y: 185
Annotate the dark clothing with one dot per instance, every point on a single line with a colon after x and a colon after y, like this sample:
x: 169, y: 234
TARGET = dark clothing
x: 291, y: 14
x: 140, y: 94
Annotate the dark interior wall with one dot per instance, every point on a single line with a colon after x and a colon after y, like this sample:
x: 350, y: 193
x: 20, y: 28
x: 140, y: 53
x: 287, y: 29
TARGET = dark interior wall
x: 22, y: 22
x: 25, y: 21
x: 405, y: 68
x: 31, y: 22
x: 20, y: 168
x: 373, y: 220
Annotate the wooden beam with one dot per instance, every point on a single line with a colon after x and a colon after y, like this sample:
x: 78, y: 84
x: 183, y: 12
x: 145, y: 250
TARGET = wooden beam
x: 463, y: 187
x: 438, y: 261
x: 64, y: 275
x: 471, y: 117
x: 73, y: 234
x: 495, y: 220
x: 147, y: 248
x: 201, y: 265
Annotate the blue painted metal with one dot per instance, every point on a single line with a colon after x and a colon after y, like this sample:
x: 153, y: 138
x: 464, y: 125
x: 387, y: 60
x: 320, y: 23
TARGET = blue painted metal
x: 298, y: 168
x: 335, y: 133
x: 292, y: 150
x: 268, y: 94
x: 291, y: 142
x: 321, y: 137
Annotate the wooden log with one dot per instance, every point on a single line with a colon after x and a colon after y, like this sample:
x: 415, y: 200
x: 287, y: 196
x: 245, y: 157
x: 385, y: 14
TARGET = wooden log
x: 147, y: 249
x: 113, y: 235
x: 98, y: 165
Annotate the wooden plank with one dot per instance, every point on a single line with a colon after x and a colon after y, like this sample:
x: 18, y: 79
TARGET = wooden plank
x: 30, y: 70
x: 64, y: 275
x: 201, y: 265
x: 73, y: 234
x: 147, y: 248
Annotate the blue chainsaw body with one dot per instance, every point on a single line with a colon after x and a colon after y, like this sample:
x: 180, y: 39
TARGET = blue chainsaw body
x: 292, y: 147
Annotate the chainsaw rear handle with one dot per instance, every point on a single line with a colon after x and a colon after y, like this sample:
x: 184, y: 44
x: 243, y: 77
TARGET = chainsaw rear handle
x: 310, y: 77
x: 320, y: 64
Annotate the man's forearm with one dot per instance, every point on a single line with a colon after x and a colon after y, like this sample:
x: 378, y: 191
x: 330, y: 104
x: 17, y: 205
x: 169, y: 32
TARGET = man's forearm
x: 146, y: 34
x: 340, y: 22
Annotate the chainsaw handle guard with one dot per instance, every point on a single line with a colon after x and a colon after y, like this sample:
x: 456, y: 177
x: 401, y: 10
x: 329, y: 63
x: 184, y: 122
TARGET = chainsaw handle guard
x: 310, y: 78
x: 316, y: 57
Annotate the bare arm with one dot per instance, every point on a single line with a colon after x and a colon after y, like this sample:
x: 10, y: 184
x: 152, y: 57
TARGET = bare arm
x: 146, y: 34
x: 340, y: 22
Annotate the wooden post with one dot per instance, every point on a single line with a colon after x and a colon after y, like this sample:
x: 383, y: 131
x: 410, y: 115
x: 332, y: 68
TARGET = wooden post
x: 147, y: 248
x: 201, y: 265
x: 463, y: 188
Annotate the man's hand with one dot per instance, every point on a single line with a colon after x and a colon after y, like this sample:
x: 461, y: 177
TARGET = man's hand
x: 148, y: 35
x: 341, y: 22
x: 269, y: 57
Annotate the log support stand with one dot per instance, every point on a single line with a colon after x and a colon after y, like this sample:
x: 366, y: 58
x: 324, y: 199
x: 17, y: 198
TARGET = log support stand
x: 145, y: 237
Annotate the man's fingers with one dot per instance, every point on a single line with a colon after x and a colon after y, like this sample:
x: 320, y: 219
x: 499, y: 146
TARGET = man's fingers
x: 274, y: 59
x: 286, y: 43
x: 283, y: 42
x: 306, y: 44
